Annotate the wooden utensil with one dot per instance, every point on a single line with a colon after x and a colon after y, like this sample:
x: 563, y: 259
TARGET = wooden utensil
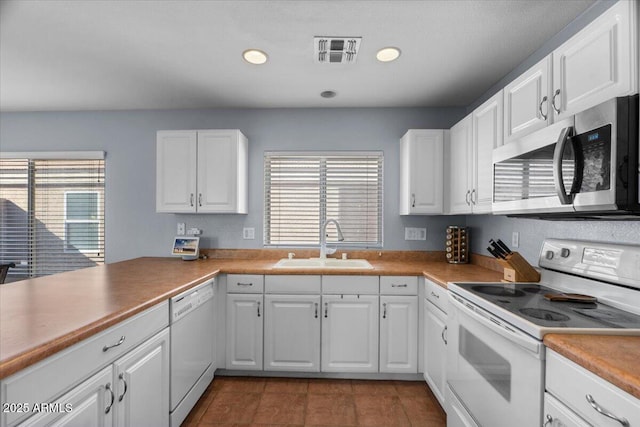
x: 570, y: 298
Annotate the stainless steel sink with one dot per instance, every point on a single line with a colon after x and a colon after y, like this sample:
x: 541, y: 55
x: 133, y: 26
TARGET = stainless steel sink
x: 324, y: 263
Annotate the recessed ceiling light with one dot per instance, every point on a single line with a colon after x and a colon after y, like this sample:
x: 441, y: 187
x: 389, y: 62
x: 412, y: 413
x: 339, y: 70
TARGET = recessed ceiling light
x: 388, y: 54
x: 254, y: 56
x: 328, y: 94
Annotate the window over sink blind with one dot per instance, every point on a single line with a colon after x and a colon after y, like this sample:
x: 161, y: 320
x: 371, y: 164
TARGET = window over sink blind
x: 302, y: 190
x: 51, y: 212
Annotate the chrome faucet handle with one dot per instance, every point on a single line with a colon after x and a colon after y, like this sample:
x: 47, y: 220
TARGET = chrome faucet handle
x: 330, y: 251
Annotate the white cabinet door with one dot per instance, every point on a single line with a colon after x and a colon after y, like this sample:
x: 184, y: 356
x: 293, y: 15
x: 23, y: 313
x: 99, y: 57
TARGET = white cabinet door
x: 421, y: 172
x: 292, y: 333
x: 350, y: 333
x: 435, y: 350
x: 176, y: 171
x: 399, y: 334
x: 460, y: 167
x: 244, y: 331
x: 89, y: 404
x: 527, y: 101
x: 222, y: 171
x: 142, y: 384
x: 487, y: 135
x: 598, y: 63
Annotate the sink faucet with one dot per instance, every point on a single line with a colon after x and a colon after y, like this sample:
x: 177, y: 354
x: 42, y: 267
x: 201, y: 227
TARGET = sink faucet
x: 323, y: 238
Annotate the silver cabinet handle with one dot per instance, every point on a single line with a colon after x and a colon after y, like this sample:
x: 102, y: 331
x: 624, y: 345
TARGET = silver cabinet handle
x: 544, y: 99
x: 548, y: 420
x: 413, y: 200
x: 121, y: 377
x: 258, y: 303
x: 191, y: 199
x: 107, y: 347
x: 316, y: 310
x: 326, y: 309
x: 473, y: 199
x: 553, y: 101
x: 113, y: 398
x: 200, y: 199
x: 245, y: 284
x: 384, y: 310
x: 433, y: 294
x: 444, y: 331
x: 601, y: 410
x: 403, y: 285
x: 466, y: 198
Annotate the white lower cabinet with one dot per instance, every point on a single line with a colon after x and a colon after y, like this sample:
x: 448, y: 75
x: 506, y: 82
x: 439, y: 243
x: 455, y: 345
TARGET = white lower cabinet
x: 88, y: 404
x: 435, y: 340
x: 292, y: 333
x: 244, y: 331
x: 399, y: 334
x: 133, y: 391
x: 141, y: 384
x: 577, y: 397
x: 350, y: 333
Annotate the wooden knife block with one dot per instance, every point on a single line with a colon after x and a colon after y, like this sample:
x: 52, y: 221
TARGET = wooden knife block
x: 517, y: 269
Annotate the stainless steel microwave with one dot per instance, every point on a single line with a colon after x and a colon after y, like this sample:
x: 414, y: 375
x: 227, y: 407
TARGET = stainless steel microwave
x: 585, y: 166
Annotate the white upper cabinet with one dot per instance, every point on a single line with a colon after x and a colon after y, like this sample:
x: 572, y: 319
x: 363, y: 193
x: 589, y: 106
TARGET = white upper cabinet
x: 487, y: 135
x: 527, y: 104
x: 202, y: 171
x: 421, y: 172
x: 460, y: 167
x: 176, y: 171
x: 598, y: 63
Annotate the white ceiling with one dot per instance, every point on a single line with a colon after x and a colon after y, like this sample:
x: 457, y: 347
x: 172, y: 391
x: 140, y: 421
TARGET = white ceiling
x: 66, y: 55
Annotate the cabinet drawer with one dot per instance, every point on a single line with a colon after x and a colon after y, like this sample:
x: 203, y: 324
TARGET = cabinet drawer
x: 292, y: 284
x: 49, y: 378
x: 245, y: 283
x: 398, y: 285
x: 571, y: 383
x: 436, y: 294
x: 354, y: 285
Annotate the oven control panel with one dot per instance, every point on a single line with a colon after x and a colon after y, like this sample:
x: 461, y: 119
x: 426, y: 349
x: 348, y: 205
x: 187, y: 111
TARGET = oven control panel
x: 617, y: 264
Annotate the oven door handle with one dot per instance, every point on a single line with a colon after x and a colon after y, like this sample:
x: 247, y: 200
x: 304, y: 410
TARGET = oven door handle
x: 496, y: 326
x: 565, y: 199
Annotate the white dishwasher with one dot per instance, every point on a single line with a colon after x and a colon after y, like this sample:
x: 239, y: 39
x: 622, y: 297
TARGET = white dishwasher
x: 192, y: 347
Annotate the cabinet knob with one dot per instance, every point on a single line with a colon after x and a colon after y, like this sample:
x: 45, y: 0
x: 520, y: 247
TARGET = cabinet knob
x: 258, y: 304
x: 548, y: 421
x: 107, y: 347
x: 466, y: 198
x: 121, y: 377
x: 384, y: 310
x: 191, y: 199
x: 443, y: 335
x: 326, y: 309
x: 113, y: 398
x: 413, y: 200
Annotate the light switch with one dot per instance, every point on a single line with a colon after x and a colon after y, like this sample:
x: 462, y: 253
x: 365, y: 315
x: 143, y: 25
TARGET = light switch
x: 248, y: 233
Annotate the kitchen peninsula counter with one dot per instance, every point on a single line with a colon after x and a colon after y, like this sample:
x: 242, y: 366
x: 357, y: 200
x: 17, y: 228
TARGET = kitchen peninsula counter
x: 40, y: 317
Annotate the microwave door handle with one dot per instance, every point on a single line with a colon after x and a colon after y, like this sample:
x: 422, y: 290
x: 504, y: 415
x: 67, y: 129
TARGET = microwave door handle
x: 565, y: 198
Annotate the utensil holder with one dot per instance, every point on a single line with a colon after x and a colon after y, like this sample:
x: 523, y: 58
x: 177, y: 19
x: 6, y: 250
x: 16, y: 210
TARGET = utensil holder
x: 517, y: 269
x: 457, y: 244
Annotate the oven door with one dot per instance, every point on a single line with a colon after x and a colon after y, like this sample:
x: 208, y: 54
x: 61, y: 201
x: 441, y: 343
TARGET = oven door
x: 495, y: 370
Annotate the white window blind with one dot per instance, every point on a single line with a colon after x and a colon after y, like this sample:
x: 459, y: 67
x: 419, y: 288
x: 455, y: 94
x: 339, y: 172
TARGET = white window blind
x: 51, y: 215
x: 303, y: 190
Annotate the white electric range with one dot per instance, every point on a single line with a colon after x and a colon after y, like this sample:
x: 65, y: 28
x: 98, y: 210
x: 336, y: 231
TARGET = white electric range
x: 495, y: 371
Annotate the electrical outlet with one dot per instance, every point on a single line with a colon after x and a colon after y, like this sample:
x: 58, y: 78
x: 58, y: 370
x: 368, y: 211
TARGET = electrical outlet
x: 515, y: 239
x: 415, y: 233
x: 248, y: 233
x: 181, y: 231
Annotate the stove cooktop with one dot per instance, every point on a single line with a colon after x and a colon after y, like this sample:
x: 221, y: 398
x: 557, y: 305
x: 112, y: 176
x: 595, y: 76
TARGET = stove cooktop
x: 524, y: 305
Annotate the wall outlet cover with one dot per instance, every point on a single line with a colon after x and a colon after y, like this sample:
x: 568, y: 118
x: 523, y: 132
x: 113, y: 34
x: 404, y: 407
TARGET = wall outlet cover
x: 415, y: 233
x: 248, y: 233
x: 181, y: 230
x: 515, y: 239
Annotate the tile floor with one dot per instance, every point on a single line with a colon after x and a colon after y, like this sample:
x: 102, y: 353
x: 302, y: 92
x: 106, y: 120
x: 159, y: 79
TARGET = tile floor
x: 242, y: 401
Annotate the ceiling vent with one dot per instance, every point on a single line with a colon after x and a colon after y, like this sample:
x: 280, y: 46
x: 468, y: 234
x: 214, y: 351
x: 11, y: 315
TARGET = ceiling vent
x: 336, y: 50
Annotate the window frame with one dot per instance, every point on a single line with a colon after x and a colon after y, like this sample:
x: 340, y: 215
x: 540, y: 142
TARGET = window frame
x: 68, y: 248
x: 322, y: 214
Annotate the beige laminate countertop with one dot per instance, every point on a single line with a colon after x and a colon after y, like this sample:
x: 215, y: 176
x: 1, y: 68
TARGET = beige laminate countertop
x: 614, y: 358
x: 40, y: 317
